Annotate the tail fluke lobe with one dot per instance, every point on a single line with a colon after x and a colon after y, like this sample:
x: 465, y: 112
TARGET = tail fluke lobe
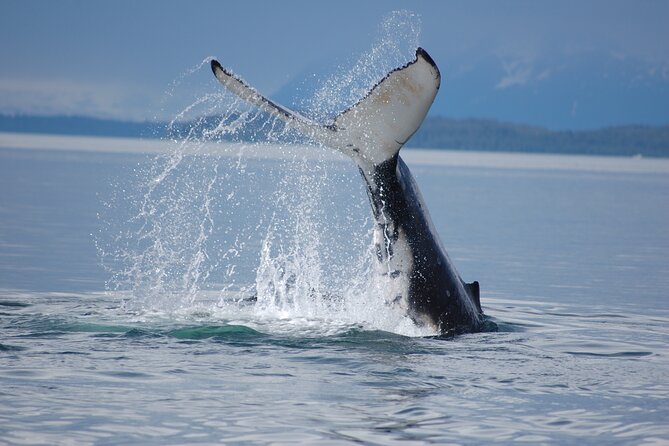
x: 237, y: 86
x: 380, y: 123
x: 376, y: 127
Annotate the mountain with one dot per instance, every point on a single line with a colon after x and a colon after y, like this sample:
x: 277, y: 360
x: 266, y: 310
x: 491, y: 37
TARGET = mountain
x: 489, y: 135
x: 578, y: 90
x: 79, y: 125
x: 435, y: 133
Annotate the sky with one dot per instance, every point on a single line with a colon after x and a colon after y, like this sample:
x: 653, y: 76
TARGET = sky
x: 558, y: 64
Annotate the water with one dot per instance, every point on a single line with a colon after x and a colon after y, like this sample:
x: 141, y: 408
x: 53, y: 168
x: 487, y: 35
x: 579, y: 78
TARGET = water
x: 572, y: 260
x: 203, y: 290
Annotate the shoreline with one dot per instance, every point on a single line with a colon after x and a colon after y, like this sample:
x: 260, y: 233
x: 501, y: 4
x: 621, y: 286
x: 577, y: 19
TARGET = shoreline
x: 412, y: 156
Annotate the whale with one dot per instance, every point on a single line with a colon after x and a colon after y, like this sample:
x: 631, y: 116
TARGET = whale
x: 411, y: 266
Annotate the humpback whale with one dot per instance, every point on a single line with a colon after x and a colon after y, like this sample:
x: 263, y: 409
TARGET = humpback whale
x: 411, y: 264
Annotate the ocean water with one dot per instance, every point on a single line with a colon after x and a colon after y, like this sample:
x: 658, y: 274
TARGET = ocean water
x: 103, y: 341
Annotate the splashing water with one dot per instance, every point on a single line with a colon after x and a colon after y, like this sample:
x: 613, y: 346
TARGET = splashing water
x: 244, y: 219
x: 398, y: 38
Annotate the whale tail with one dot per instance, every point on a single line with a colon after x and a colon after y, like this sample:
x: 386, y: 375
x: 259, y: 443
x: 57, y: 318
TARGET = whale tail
x: 375, y: 128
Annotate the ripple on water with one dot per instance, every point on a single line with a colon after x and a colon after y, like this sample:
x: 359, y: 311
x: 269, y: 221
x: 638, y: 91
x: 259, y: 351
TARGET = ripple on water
x: 215, y: 331
x: 562, y: 378
x: 13, y: 304
x: 11, y: 348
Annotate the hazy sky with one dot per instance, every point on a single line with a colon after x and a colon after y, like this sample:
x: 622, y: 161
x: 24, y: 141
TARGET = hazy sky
x: 560, y: 64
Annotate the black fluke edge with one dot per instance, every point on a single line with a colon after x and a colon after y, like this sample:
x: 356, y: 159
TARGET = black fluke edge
x: 215, y: 65
x: 422, y: 53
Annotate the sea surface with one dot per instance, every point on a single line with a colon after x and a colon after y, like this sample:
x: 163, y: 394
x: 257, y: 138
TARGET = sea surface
x: 125, y: 318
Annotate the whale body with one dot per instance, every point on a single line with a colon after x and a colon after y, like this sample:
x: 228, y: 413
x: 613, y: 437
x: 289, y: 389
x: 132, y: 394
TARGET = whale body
x: 411, y: 264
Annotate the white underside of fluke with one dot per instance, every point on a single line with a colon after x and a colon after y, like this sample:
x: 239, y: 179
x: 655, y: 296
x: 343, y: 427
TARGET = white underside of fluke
x: 376, y: 127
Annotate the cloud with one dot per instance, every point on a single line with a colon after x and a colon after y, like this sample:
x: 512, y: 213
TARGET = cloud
x: 515, y: 73
x: 522, y: 71
x: 544, y: 74
x: 54, y: 96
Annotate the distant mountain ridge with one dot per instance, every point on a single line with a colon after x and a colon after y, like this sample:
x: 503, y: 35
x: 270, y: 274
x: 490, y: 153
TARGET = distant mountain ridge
x: 578, y: 90
x: 435, y: 133
x: 489, y: 135
x: 79, y: 125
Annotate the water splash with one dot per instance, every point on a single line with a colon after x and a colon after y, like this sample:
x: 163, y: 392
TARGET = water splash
x: 398, y: 38
x: 219, y: 228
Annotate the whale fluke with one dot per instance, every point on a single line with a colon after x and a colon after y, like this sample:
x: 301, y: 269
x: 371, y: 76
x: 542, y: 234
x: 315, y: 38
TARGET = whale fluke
x: 418, y: 275
x: 375, y: 128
